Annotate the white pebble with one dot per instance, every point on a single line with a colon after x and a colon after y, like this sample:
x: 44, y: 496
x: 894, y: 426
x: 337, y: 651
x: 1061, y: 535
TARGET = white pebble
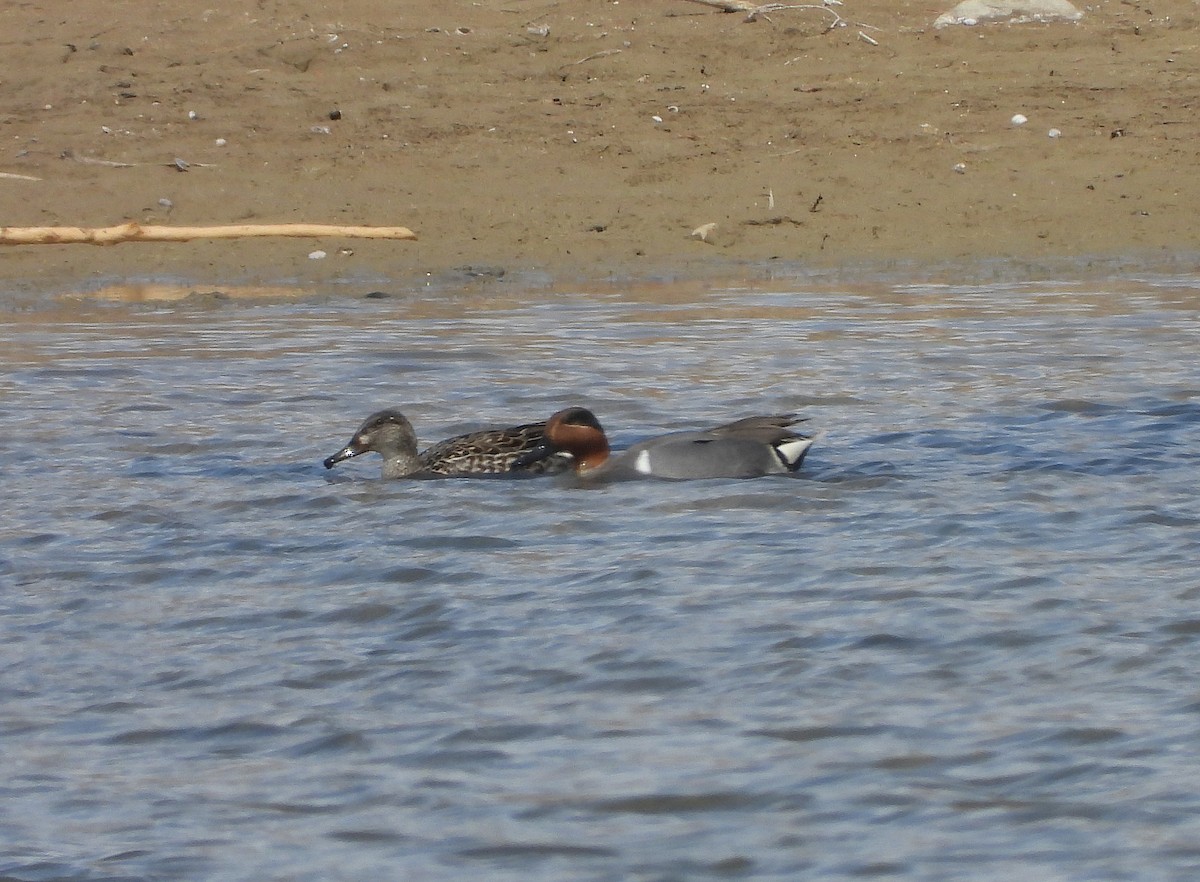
x: 657, y: 119
x: 1019, y: 119
x: 221, y: 142
x: 317, y: 255
x: 960, y: 168
x: 193, y: 115
x: 1055, y: 133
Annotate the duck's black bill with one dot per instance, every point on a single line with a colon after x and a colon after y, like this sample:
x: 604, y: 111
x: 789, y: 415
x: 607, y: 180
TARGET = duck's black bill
x: 343, y: 454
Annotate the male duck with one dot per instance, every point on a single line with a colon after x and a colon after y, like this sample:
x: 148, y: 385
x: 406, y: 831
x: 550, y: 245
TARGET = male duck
x: 489, y: 452
x: 748, y: 448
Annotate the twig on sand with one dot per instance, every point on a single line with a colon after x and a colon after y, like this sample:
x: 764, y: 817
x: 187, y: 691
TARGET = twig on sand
x: 177, y: 163
x: 730, y: 5
x: 755, y: 11
x: 133, y: 232
x: 603, y: 53
x: 13, y: 176
x: 91, y: 160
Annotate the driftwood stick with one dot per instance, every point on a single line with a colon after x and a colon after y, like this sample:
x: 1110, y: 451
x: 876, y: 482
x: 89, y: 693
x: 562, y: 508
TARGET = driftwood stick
x: 132, y: 232
x: 731, y: 5
x: 755, y: 10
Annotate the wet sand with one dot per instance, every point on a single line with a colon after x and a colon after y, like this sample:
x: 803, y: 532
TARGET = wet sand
x: 572, y: 139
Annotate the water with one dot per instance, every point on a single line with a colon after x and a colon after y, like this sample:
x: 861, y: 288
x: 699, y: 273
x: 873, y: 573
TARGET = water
x: 962, y: 644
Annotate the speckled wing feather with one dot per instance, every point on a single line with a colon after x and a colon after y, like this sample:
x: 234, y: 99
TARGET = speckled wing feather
x: 492, y: 451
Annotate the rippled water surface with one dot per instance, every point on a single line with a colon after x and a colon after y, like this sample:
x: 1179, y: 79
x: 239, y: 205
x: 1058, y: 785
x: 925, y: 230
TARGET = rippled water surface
x: 962, y: 645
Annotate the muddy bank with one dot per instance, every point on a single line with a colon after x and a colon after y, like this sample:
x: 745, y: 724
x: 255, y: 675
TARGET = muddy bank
x: 568, y: 139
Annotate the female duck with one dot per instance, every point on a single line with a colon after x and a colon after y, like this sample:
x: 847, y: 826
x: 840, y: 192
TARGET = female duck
x: 748, y: 448
x: 490, y: 452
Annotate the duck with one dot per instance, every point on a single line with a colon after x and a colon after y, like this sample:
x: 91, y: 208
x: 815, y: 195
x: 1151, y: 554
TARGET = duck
x: 489, y: 452
x: 747, y: 448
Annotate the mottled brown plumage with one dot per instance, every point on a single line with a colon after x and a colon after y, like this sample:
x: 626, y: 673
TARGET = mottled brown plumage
x: 487, y: 452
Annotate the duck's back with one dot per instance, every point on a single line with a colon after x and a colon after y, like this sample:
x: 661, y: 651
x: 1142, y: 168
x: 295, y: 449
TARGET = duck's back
x: 489, y: 452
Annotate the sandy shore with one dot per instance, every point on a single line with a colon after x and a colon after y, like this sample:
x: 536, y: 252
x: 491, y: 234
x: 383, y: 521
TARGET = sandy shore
x: 576, y: 138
